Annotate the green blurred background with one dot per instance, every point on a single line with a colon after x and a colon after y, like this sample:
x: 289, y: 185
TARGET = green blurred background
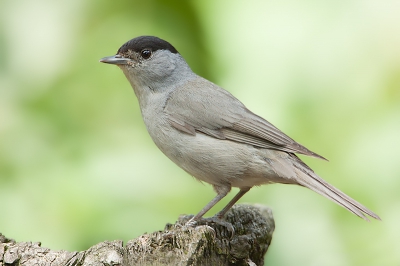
x: 77, y: 166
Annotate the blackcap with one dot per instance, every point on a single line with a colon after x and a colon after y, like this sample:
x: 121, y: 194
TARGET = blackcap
x: 210, y: 134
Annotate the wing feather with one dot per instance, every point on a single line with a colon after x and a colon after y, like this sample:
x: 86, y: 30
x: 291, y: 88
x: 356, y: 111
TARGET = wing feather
x: 201, y: 106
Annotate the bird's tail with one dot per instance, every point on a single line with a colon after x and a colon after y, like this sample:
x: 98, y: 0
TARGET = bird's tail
x: 309, y: 179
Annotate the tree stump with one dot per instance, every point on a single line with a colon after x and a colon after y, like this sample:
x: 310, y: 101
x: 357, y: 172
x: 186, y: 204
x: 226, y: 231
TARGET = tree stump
x: 208, y: 244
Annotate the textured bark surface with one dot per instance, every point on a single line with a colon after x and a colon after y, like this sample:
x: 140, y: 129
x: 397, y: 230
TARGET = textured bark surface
x: 208, y: 244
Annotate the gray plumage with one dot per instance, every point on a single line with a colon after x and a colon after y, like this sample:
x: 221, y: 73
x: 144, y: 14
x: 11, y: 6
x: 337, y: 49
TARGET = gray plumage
x: 209, y: 133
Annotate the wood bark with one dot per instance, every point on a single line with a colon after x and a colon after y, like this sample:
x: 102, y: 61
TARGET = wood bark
x: 205, y: 244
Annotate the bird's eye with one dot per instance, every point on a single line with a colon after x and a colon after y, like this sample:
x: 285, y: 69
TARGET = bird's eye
x: 145, y: 53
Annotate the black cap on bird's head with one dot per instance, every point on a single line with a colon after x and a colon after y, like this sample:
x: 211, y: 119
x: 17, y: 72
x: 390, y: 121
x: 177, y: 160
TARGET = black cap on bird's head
x: 143, y: 45
x: 146, y: 42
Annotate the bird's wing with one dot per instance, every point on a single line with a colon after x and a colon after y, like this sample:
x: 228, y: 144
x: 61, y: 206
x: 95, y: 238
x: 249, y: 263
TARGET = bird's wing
x: 201, y: 106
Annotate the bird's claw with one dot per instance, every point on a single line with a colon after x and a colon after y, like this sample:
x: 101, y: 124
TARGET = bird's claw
x: 215, y: 220
x: 191, y: 223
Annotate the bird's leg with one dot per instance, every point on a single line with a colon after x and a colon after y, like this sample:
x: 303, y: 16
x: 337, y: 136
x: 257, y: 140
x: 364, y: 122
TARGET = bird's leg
x: 217, y: 219
x: 221, y: 193
x: 240, y: 194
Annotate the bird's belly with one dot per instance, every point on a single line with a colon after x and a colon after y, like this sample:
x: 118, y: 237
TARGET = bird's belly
x: 215, y: 161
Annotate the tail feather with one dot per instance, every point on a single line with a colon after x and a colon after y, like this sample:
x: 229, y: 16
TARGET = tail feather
x: 309, y: 179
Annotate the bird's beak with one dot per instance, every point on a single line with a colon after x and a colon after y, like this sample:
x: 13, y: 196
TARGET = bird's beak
x: 115, y: 60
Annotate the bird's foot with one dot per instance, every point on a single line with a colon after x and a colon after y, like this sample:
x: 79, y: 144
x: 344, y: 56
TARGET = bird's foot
x: 212, y: 220
x: 192, y: 223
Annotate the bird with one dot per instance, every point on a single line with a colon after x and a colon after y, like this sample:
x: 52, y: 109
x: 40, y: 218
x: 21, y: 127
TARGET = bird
x: 210, y: 134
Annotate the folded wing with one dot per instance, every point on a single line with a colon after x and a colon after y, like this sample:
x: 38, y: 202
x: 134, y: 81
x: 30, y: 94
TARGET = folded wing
x: 201, y: 106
